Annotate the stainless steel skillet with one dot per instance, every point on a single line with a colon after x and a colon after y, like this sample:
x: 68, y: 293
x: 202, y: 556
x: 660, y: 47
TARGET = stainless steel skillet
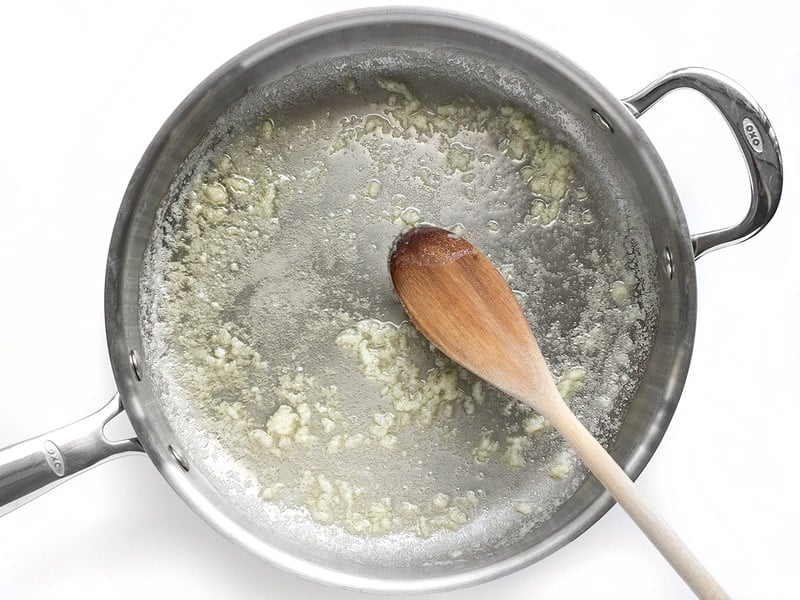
x: 599, y: 121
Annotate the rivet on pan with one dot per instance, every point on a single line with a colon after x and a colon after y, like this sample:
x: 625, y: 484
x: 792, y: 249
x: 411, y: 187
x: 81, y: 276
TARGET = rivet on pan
x: 135, y: 365
x: 666, y: 259
x: 602, y: 121
x: 176, y: 454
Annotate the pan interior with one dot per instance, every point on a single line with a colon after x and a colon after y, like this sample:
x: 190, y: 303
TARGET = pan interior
x: 281, y: 357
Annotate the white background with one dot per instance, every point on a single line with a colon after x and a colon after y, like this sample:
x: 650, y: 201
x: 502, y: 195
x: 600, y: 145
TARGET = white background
x: 86, y: 86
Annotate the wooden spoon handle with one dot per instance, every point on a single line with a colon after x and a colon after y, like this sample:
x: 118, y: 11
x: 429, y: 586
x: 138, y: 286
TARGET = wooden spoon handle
x: 616, y: 481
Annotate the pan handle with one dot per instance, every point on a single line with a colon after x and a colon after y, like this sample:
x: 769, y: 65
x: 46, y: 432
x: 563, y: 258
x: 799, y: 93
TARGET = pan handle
x: 753, y: 133
x: 31, y: 468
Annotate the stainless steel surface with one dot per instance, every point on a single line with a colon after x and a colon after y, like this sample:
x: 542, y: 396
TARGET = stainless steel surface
x: 627, y: 153
x: 29, y: 469
x: 754, y: 135
x: 623, y: 149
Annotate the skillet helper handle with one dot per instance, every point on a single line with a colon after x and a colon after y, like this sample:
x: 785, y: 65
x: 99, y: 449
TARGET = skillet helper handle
x: 754, y: 135
x: 31, y: 468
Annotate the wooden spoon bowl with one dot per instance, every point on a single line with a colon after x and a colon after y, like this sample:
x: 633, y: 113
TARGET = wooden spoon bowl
x: 458, y: 299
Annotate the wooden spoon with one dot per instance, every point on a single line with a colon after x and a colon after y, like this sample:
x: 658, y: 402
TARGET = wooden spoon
x: 460, y: 302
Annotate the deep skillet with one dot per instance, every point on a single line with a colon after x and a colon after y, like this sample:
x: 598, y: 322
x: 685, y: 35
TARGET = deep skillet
x: 604, y: 127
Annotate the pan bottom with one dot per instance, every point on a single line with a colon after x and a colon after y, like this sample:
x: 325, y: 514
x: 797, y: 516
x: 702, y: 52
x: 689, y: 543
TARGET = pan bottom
x: 284, y: 360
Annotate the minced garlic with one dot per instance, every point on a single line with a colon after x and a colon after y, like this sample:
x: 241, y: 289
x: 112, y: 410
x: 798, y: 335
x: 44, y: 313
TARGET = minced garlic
x: 373, y: 188
x: 619, y: 292
x: 267, y: 344
x: 546, y: 165
x: 515, y: 449
x: 524, y: 508
x: 485, y: 449
x: 570, y: 381
x: 561, y: 466
x: 534, y: 424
